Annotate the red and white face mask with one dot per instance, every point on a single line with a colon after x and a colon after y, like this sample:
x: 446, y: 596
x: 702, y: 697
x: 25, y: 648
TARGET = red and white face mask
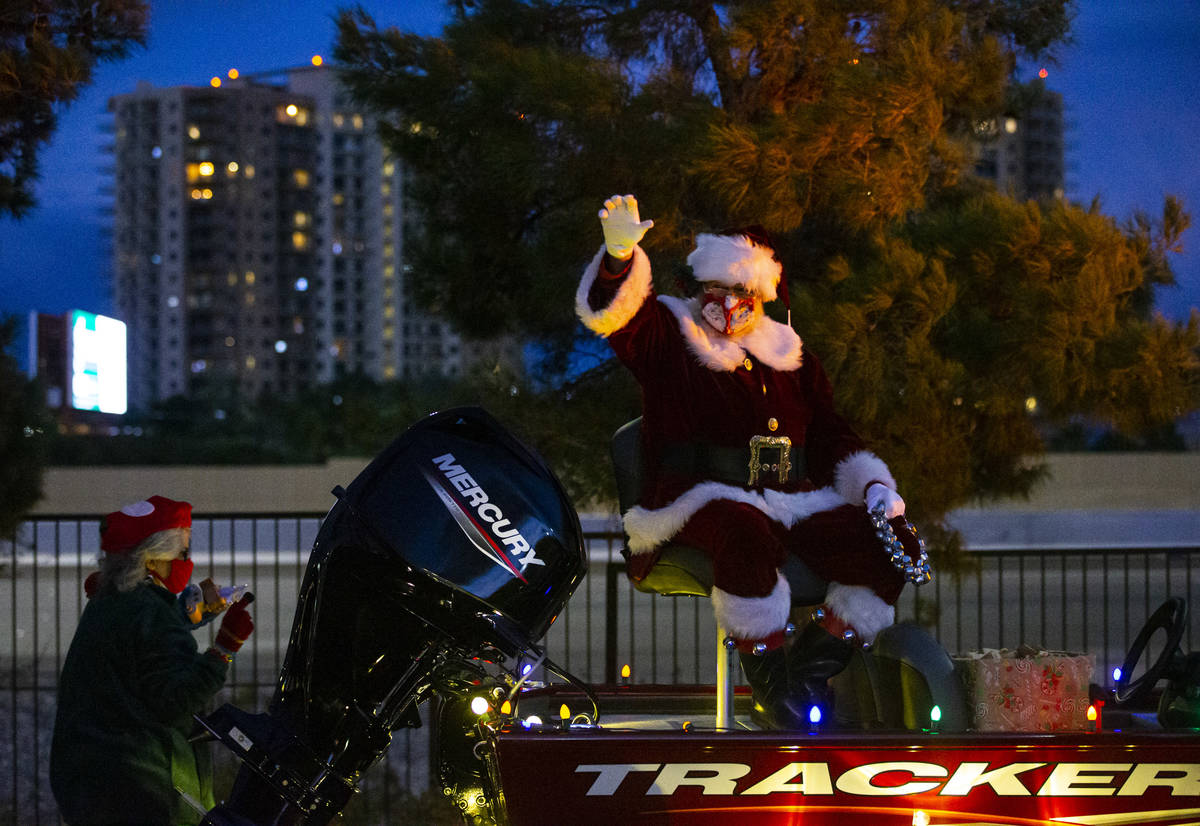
x: 729, y: 311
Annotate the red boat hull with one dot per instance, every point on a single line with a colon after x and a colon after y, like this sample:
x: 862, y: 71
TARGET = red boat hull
x: 617, y: 778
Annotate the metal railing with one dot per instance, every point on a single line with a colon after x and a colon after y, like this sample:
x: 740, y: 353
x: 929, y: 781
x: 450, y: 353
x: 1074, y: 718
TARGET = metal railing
x: 1091, y: 600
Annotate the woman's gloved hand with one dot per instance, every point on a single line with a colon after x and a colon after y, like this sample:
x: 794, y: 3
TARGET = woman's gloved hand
x: 881, y: 496
x: 622, y: 227
x: 236, y: 628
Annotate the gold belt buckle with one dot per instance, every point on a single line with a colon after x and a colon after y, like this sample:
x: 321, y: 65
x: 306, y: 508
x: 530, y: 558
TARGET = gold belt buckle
x: 781, y: 443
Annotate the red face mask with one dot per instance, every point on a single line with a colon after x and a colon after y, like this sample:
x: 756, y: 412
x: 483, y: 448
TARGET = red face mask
x: 178, y: 577
x: 726, y: 311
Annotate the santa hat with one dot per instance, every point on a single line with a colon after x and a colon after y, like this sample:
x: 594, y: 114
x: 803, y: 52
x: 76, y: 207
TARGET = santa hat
x: 737, y: 259
x: 122, y: 531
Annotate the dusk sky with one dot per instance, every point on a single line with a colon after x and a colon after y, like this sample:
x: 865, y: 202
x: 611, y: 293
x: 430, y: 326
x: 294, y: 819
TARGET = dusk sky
x: 1129, y: 83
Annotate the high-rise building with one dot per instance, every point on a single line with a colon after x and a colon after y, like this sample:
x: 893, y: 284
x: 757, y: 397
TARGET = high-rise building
x: 258, y: 241
x: 1023, y: 153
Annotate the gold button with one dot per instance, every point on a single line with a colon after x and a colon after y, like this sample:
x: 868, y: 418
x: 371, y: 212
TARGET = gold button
x: 748, y: 364
x: 772, y: 423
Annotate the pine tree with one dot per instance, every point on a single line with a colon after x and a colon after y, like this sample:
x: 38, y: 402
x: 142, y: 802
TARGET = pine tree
x: 24, y: 427
x: 955, y: 322
x: 47, y: 52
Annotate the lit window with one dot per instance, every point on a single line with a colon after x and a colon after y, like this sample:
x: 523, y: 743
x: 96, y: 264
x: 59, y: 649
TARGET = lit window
x: 389, y: 312
x: 206, y: 194
x: 1010, y: 125
x: 193, y: 131
x: 339, y: 120
x: 249, y: 171
x: 389, y: 331
x: 338, y: 199
x: 386, y: 189
x: 233, y: 74
x: 173, y: 301
x: 389, y: 250
x: 250, y: 276
x: 215, y: 82
x: 389, y: 210
x: 389, y: 169
x: 389, y: 271
x: 231, y: 167
x: 357, y: 120
x: 199, y: 366
x: 293, y: 114
x: 206, y: 169
x: 251, y: 362
x: 231, y: 279
x: 249, y: 299
x: 230, y: 341
x: 301, y: 177
x: 317, y: 60
x: 299, y: 240
x: 389, y: 372
x: 300, y: 219
x: 156, y: 152
x: 197, y: 194
x: 301, y: 285
x: 281, y: 346
x: 337, y: 248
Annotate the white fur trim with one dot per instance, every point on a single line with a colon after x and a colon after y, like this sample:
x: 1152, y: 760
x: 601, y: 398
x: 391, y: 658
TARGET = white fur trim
x: 856, y: 471
x: 632, y: 293
x: 790, y: 508
x: 733, y: 260
x: 860, y: 607
x: 753, y: 618
x: 776, y: 345
x: 647, y: 529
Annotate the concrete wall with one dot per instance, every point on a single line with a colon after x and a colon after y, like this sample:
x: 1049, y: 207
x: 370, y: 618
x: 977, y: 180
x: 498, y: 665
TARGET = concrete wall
x: 1120, y: 481
x: 210, y: 488
x: 1078, y: 482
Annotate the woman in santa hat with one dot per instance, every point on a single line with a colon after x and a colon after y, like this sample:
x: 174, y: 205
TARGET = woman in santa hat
x: 134, y: 676
x: 725, y: 386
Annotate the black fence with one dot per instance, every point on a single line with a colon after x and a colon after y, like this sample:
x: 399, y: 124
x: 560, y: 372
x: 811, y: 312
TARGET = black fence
x: 1087, y: 600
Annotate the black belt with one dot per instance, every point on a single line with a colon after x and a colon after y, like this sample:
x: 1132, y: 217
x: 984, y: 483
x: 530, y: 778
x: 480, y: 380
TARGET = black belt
x: 765, y: 461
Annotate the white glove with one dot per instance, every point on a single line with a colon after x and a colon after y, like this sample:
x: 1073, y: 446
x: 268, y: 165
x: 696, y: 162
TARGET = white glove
x: 881, y: 495
x: 622, y: 228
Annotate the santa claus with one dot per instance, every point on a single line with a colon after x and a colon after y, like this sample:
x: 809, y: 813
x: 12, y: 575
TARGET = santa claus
x: 746, y: 458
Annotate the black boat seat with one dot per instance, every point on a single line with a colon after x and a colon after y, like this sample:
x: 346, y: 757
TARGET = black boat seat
x: 682, y: 570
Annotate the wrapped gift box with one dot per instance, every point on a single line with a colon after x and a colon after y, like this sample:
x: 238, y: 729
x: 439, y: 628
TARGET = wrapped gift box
x: 1027, y: 689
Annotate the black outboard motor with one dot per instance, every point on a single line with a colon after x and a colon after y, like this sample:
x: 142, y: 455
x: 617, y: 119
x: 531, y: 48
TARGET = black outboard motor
x: 455, y: 546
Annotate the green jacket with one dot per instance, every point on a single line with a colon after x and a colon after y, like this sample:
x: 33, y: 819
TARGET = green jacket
x: 132, y: 680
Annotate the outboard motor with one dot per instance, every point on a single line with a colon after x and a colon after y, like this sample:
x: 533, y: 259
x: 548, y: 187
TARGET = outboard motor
x: 452, y: 552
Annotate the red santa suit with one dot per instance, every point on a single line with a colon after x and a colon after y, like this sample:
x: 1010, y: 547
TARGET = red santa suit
x: 705, y: 395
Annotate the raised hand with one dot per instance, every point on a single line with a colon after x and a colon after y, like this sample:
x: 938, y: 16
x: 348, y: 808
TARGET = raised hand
x: 622, y: 227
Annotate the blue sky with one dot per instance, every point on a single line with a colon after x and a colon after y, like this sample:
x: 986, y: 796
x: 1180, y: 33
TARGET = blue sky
x: 1128, y: 82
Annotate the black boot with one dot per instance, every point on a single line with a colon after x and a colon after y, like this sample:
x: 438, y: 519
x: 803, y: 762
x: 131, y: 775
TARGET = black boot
x: 774, y: 705
x: 787, y: 681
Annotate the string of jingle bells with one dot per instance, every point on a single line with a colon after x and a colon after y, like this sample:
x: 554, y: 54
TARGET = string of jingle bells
x: 917, y: 572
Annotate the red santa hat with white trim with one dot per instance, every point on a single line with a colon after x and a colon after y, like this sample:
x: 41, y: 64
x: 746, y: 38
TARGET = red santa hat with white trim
x: 738, y: 258
x: 122, y: 531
